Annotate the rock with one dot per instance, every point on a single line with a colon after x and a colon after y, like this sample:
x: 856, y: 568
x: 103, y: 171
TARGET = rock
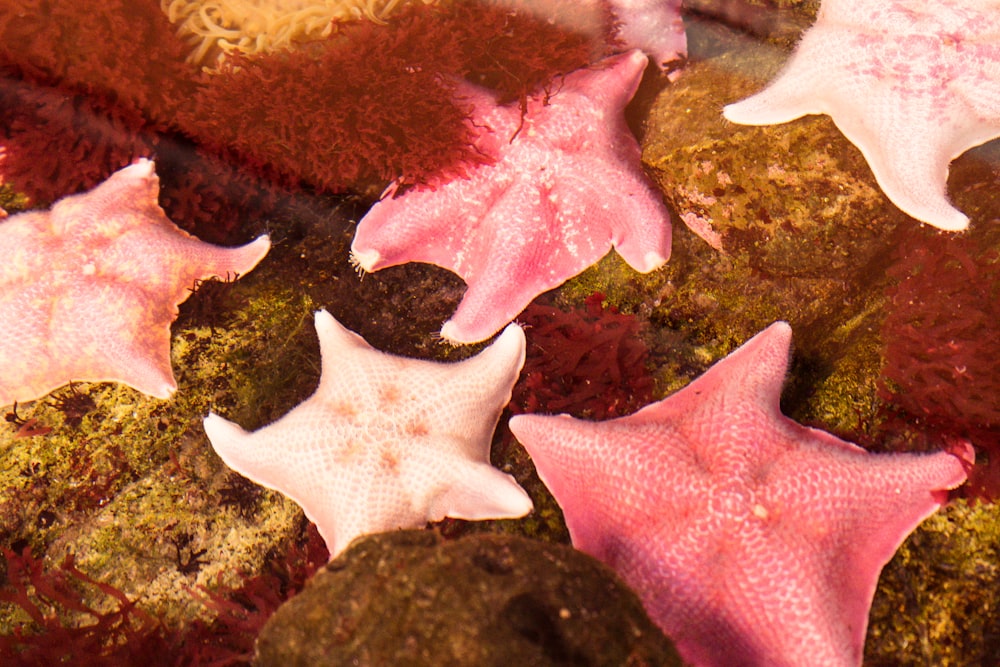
x: 409, y: 597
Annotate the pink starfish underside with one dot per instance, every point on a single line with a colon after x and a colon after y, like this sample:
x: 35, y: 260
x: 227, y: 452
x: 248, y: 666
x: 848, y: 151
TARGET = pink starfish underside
x: 566, y: 185
x: 752, y: 540
x: 89, y: 288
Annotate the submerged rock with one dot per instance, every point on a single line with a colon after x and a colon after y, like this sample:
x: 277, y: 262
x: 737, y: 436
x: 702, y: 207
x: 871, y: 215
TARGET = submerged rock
x: 409, y: 597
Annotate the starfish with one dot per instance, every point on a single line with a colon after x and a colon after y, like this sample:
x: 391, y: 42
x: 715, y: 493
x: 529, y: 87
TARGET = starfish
x: 655, y: 26
x: 566, y: 185
x: 751, y: 539
x: 912, y: 84
x: 88, y: 289
x: 386, y: 442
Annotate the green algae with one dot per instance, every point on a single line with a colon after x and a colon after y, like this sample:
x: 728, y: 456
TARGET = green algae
x: 937, y: 599
x: 11, y: 201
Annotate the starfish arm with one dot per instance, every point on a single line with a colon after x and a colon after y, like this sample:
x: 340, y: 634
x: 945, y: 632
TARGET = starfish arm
x: 48, y: 345
x: 167, y: 262
x: 211, y: 261
x: 487, y: 379
x: 337, y: 342
x: 233, y: 444
x: 557, y: 445
x: 462, y: 401
x: 264, y: 457
x: 784, y: 100
x: 140, y: 358
x: 637, y: 220
x: 909, y: 163
x: 905, y: 490
x: 580, y: 463
x: 477, y: 491
x: 655, y: 26
x: 517, y: 261
x: 437, y: 226
x: 616, y: 199
x: 749, y: 380
x: 127, y: 199
x: 802, y: 87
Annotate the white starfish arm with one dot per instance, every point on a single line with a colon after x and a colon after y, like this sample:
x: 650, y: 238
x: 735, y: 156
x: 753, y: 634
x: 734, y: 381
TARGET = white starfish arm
x: 479, y: 491
x: 784, y: 100
x: 910, y: 166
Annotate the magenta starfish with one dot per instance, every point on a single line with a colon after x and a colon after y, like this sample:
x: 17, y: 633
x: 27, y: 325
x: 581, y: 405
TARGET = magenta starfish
x: 89, y: 288
x: 751, y: 539
x: 566, y: 185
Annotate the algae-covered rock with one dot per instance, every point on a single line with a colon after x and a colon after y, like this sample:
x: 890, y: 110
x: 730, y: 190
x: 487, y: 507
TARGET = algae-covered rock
x: 411, y: 598
x: 779, y: 22
x: 799, y: 196
x: 937, y: 598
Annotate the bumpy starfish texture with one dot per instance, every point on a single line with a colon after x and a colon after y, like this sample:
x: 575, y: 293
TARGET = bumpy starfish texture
x: 566, y: 186
x: 655, y: 26
x: 751, y: 539
x: 88, y: 289
x: 386, y: 442
x: 912, y: 84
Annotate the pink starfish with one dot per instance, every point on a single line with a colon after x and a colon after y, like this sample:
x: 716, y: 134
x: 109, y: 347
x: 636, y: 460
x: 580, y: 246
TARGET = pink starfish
x: 89, y: 288
x: 567, y: 185
x: 751, y: 539
x: 913, y: 84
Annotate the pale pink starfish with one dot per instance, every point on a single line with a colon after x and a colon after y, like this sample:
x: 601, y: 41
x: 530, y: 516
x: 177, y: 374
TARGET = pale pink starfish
x: 913, y: 84
x: 751, y: 539
x: 655, y: 26
x: 386, y: 442
x: 566, y: 186
x: 89, y: 288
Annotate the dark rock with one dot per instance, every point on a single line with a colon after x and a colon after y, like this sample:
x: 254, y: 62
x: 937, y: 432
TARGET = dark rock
x: 411, y: 598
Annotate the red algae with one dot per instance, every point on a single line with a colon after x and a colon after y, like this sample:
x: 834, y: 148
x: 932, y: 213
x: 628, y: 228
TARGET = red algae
x: 86, y: 90
x: 941, y: 369
x: 601, y: 370
x: 375, y: 103
x: 64, y: 629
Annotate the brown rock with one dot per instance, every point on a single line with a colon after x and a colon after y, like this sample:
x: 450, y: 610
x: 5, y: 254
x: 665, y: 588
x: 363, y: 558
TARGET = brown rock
x: 411, y: 598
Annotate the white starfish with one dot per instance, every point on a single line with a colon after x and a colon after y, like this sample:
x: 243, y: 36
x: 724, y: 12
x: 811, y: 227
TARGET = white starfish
x: 386, y: 442
x: 913, y: 84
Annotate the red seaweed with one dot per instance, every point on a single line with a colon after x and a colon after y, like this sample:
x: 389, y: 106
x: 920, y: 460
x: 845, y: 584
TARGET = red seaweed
x: 126, y: 634
x: 941, y: 371
x: 601, y: 369
x: 374, y: 103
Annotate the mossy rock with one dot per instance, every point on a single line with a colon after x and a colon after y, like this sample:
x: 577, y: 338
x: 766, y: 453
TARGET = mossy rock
x: 411, y: 598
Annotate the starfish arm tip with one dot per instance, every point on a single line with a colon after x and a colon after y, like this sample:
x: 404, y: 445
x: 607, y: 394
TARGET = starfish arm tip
x: 481, y: 492
x: 142, y: 168
x: 951, y: 220
x: 651, y: 261
x: 365, y: 261
x: 511, y: 342
x: 252, y: 253
x: 224, y: 436
x: 761, y: 109
x: 456, y: 334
